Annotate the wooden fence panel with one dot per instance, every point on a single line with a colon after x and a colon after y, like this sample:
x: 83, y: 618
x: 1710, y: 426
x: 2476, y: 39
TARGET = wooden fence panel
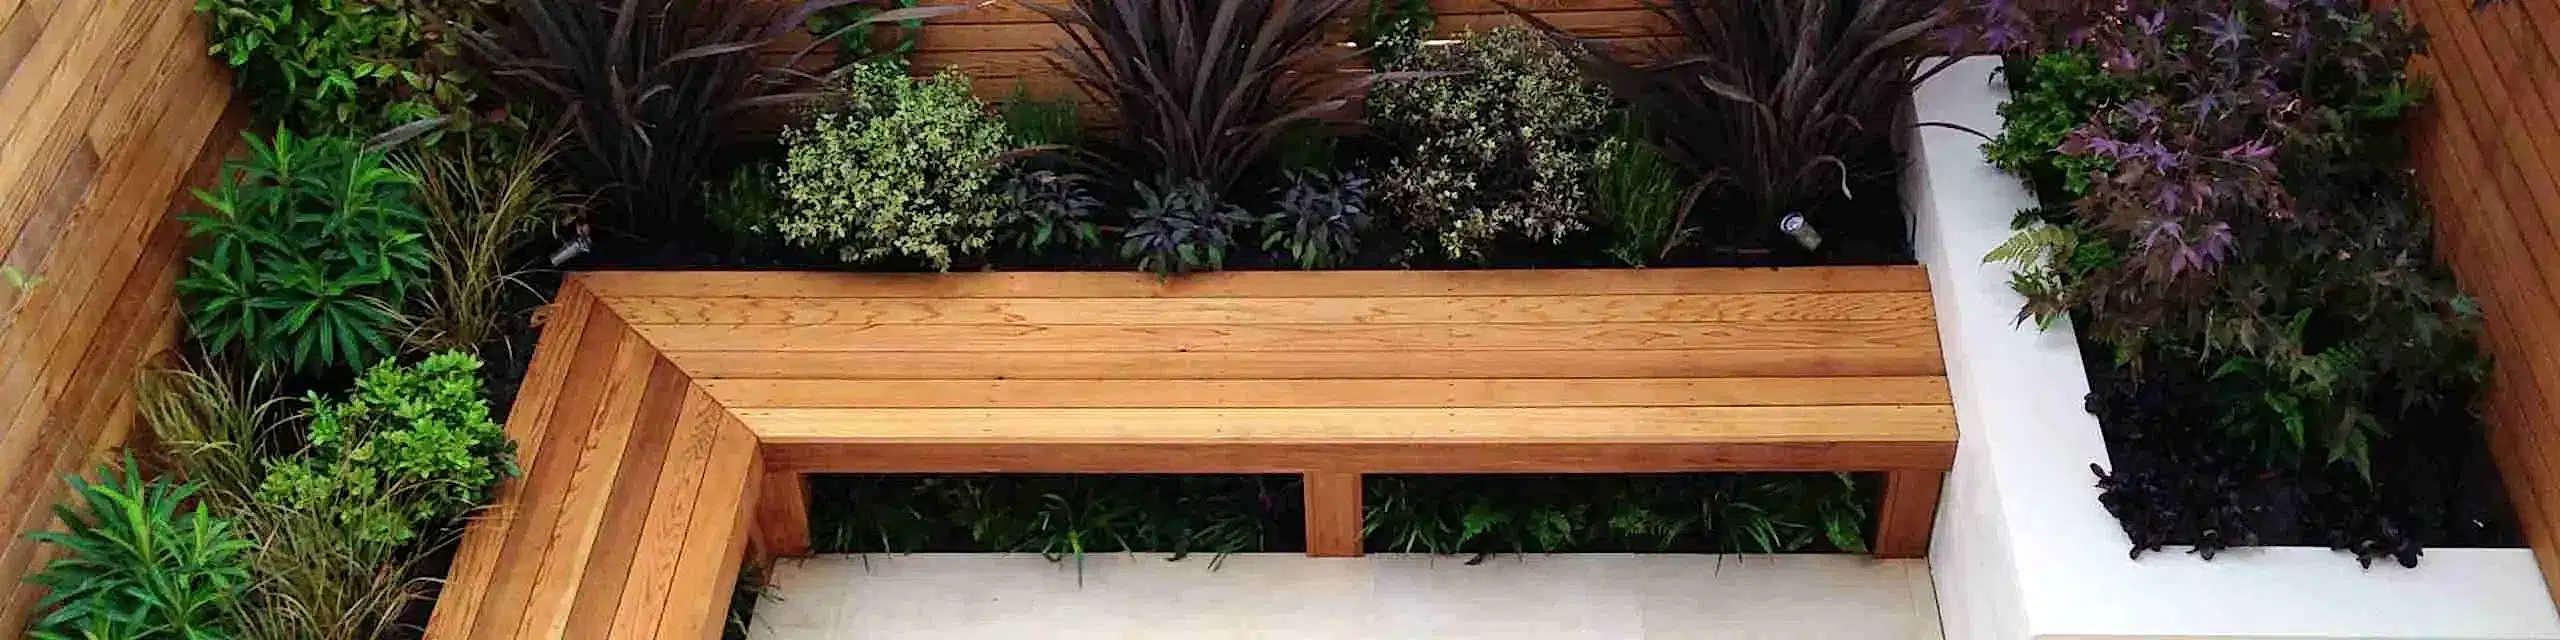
x: 108, y: 110
x: 2486, y: 151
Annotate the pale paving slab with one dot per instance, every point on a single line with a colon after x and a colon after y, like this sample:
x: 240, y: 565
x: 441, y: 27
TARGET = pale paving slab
x: 1387, y: 596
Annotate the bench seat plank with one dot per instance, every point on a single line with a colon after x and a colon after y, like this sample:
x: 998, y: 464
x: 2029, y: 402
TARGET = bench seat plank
x: 653, y: 310
x: 1341, y: 365
x: 813, y: 393
x: 1364, y: 338
x: 1256, y: 284
x: 1138, y: 427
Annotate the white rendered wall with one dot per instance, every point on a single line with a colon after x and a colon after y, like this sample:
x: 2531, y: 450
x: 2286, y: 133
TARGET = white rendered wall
x: 2022, y: 548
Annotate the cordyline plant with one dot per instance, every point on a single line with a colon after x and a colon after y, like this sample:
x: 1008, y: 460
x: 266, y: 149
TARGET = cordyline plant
x: 1784, y: 104
x: 1205, y: 89
x: 654, y: 88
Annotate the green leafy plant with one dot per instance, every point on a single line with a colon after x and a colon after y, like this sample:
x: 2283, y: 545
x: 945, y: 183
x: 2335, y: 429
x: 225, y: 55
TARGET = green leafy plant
x: 2052, y: 259
x: 1394, y: 29
x: 654, y: 90
x: 1711, y: 513
x: 1638, y: 193
x: 304, y: 254
x: 900, y: 168
x: 2060, y: 92
x: 1181, y: 229
x: 346, y: 67
x: 138, y: 561
x: 1038, y: 122
x: 1787, y: 106
x: 411, y: 448
x: 752, y: 589
x: 1499, y: 149
x: 857, y: 36
x: 746, y: 204
x: 1204, y: 88
x: 1045, y: 208
x: 1320, y: 219
x: 483, y: 198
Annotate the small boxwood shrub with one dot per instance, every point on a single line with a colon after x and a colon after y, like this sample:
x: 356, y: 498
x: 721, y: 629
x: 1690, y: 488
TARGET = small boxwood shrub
x: 898, y: 167
x: 304, y: 255
x: 413, y: 446
x: 1501, y: 149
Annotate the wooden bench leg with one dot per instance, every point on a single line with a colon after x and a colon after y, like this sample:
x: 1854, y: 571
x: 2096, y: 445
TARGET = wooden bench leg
x: 1910, y: 510
x: 1333, y: 514
x: 782, y: 514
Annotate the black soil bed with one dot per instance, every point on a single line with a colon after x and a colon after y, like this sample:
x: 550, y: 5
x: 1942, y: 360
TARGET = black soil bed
x: 2173, y: 476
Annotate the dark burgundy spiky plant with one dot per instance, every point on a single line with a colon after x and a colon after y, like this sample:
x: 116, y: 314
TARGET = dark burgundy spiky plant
x: 1787, y: 103
x: 1205, y: 89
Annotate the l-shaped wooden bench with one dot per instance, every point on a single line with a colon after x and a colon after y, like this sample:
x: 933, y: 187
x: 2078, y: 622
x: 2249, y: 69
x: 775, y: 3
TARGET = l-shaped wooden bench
x: 672, y: 418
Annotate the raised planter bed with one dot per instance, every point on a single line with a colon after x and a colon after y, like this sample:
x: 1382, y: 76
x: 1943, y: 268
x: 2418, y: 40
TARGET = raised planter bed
x: 2026, y: 551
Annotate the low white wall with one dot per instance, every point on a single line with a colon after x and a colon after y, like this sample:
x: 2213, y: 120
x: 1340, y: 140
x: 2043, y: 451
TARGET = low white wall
x: 2022, y: 548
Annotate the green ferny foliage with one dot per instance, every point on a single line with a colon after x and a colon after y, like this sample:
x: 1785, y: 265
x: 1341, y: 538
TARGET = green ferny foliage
x: 414, y: 446
x: 2062, y: 90
x: 140, y: 560
x: 900, y: 168
x: 304, y: 256
x: 347, y: 67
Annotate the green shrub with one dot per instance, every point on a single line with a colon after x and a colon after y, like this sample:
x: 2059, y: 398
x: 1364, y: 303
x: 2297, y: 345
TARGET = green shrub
x: 1503, y: 150
x: 1638, y: 195
x: 321, y: 579
x: 346, y: 67
x: 139, y: 560
x: 2060, y: 92
x: 413, y: 447
x: 304, y: 255
x: 900, y: 168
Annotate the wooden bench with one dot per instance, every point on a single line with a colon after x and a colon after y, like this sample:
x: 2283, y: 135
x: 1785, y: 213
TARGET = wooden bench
x: 665, y: 407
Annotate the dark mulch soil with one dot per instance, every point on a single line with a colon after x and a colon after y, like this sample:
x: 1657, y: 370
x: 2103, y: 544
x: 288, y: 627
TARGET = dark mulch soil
x: 2174, y: 476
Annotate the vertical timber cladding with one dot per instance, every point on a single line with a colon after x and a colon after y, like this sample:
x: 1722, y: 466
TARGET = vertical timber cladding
x: 109, y: 110
x: 2487, y: 152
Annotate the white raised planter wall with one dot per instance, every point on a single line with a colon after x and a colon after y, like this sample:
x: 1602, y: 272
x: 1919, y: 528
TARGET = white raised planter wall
x: 2022, y: 548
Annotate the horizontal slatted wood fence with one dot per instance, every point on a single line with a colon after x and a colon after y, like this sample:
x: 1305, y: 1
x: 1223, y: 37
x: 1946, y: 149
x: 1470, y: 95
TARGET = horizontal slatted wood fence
x: 108, y: 110
x: 2487, y: 151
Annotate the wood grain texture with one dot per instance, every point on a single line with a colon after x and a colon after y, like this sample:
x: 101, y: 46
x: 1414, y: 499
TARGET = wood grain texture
x: 2487, y: 150
x: 1908, y: 512
x: 1334, y: 514
x: 1188, y: 394
x: 1319, y: 425
x: 676, y: 415
x: 630, y: 517
x: 109, y: 113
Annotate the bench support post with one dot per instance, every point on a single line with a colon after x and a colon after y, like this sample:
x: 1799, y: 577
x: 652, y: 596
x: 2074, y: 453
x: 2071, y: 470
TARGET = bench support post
x: 782, y: 514
x: 1333, y: 514
x: 1909, y: 511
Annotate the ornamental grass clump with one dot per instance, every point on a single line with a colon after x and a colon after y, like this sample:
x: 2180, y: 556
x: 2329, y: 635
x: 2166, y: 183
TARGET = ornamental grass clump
x: 1500, y: 150
x: 895, y: 168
